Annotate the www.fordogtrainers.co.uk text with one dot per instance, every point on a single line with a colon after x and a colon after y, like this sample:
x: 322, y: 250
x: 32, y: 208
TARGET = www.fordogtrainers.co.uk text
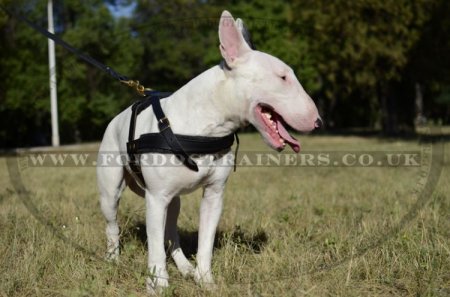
x: 244, y: 159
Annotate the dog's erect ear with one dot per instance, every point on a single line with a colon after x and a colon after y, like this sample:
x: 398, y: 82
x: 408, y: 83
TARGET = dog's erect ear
x: 245, y: 33
x: 232, y: 43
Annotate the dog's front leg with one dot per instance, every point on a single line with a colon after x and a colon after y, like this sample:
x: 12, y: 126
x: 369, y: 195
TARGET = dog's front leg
x: 156, y: 212
x: 210, y: 210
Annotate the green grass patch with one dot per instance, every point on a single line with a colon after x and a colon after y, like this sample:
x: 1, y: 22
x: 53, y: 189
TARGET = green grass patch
x: 285, y: 231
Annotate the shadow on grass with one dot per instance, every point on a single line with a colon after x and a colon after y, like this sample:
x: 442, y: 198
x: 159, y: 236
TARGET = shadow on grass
x: 252, y: 242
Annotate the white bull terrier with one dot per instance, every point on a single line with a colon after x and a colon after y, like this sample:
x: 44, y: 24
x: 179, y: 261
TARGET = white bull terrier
x: 251, y: 87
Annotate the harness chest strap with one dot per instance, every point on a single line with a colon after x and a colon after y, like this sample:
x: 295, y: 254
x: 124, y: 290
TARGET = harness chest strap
x: 156, y: 143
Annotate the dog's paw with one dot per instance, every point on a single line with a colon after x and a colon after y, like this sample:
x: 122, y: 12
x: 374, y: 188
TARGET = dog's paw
x: 156, y: 286
x: 112, y: 255
x: 112, y: 250
x: 187, y: 270
x: 205, y: 280
x: 209, y: 286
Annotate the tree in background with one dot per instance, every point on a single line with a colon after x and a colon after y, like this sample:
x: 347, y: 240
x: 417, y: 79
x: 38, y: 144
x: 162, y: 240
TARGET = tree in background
x: 361, y: 49
x: 429, y: 63
x: 87, y: 97
x: 177, y: 39
x: 24, y: 79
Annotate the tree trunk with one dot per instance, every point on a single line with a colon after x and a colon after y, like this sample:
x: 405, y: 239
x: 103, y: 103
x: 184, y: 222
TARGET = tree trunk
x: 388, y: 109
x: 419, y: 118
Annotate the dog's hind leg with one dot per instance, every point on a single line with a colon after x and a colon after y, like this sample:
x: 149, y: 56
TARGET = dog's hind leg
x: 111, y: 184
x: 171, y: 236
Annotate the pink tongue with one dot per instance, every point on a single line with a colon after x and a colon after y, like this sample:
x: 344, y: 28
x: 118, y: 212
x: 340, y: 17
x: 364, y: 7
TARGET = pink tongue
x: 295, y: 145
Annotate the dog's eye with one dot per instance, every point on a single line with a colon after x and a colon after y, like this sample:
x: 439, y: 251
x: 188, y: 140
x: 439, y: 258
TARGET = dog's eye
x: 283, y: 77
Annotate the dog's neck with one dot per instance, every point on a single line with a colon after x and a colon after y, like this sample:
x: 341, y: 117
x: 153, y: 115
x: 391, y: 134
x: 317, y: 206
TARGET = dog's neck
x: 208, y: 105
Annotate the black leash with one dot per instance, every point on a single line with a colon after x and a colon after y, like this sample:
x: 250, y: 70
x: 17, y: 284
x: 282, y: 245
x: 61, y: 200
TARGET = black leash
x: 121, y: 78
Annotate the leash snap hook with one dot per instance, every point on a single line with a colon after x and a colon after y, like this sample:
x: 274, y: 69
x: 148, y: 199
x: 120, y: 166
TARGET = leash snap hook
x: 135, y: 84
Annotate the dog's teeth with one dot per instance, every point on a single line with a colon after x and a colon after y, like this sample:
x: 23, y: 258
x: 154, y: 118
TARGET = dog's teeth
x: 267, y: 114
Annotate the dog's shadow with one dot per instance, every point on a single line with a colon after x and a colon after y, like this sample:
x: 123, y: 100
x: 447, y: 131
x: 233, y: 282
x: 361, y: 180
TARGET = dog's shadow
x: 251, y: 242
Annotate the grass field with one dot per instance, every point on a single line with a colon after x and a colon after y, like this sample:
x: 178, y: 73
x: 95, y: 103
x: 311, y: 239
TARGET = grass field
x: 285, y: 231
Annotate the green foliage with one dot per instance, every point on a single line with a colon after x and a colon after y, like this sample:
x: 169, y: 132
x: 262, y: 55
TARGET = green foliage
x: 273, y: 30
x: 177, y: 39
x: 359, y: 47
x: 87, y: 97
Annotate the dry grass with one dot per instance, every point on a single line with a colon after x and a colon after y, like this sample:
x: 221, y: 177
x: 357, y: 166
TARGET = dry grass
x: 329, y: 231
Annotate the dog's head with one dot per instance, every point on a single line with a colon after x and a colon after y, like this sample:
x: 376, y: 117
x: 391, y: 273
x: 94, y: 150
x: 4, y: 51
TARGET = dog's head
x: 274, y: 96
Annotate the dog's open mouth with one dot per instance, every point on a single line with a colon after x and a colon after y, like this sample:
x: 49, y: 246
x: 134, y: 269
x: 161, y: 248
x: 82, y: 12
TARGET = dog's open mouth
x: 274, y: 129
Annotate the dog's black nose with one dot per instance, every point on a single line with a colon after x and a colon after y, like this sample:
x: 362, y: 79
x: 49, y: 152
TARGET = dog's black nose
x: 318, y: 124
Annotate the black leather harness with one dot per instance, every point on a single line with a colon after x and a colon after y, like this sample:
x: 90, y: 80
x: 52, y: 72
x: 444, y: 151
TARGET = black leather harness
x: 166, y: 142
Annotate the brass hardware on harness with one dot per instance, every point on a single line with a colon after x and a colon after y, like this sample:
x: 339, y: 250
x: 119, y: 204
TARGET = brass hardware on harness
x: 136, y: 85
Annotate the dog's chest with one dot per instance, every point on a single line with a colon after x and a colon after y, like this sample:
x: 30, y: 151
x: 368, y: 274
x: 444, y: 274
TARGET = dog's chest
x: 174, y: 179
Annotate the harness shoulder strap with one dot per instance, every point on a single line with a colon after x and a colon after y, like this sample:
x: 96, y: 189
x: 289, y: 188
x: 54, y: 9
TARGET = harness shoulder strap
x: 169, y: 136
